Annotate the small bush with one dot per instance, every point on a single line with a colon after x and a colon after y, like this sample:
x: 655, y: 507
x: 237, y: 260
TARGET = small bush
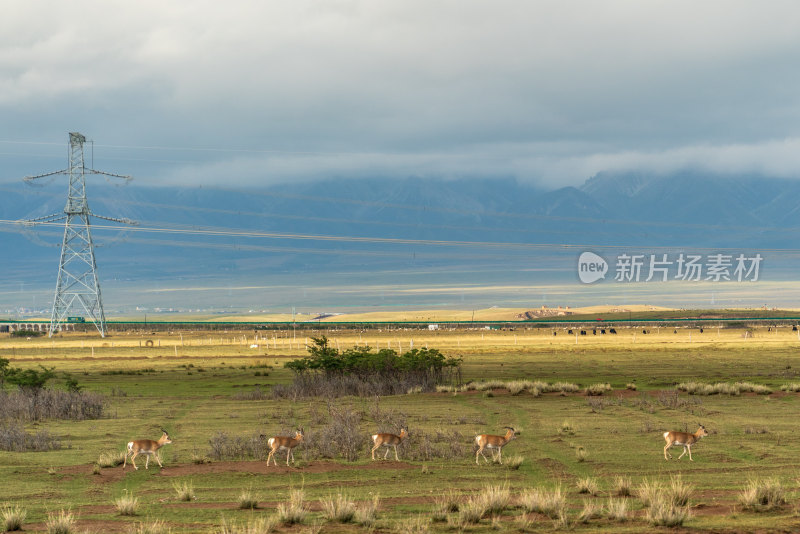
x: 514, y: 462
x: 494, y: 499
x: 111, y: 459
x: 338, y: 508
x: 566, y: 429
x: 580, y: 454
x: 225, y: 447
x: 663, y: 512
x: 247, y: 500
x: 13, y: 517
x: 678, y: 493
x: 41, y: 404
x: 649, y: 491
x: 184, y: 491
x: 469, y: 513
x: 127, y: 504
x: 622, y: 486
x: 550, y: 503
x: 414, y: 525
x: 14, y: 438
x: 591, y: 510
x: 367, y: 513
x: 62, y: 522
x: 293, y: 511
x: 447, y: 502
x: 763, y: 495
x: 258, y: 525
x: 617, y: 509
x: 792, y: 387
x: 587, y: 485
x: 597, y: 389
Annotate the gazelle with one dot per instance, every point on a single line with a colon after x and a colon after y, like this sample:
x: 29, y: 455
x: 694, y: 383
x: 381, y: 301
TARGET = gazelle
x: 388, y: 440
x: 279, y: 443
x: 491, y: 442
x: 683, y: 438
x: 147, y: 447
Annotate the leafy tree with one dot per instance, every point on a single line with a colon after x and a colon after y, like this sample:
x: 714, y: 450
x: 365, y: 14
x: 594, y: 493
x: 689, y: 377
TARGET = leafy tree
x: 3, y: 371
x: 30, y: 378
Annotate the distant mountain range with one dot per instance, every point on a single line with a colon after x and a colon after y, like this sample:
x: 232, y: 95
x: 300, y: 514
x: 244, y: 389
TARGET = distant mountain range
x: 384, y: 232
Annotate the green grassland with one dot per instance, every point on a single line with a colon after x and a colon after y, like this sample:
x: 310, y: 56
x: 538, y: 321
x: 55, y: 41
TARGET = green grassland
x: 188, y: 383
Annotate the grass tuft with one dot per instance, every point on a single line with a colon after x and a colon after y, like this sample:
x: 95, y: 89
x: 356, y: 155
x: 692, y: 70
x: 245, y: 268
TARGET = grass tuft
x: 13, y: 517
x: 247, y: 500
x: 663, y: 512
x: 617, y: 509
x: 367, y: 513
x: 591, y: 510
x: 550, y: 503
x: 414, y: 525
x: 184, y: 491
x: 127, y: 504
x: 62, y: 522
x: 622, y: 486
x: 293, y: 511
x: 587, y: 485
x: 338, y: 508
x: 763, y: 495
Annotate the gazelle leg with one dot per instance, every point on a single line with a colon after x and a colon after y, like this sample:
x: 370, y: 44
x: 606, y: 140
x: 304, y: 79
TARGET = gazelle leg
x: 395, y: 454
x: 133, y: 460
x: 689, y: 448
x: 385, y: 456
x: 146, y: 460
x: 684, y: 452
x: 665, y: 452
x: 500, y: 455
x: 373, y: 451
x: 158, y: 459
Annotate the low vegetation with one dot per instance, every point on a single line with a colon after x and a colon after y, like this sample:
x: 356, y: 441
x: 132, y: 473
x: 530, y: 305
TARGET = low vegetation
x: 605, y: 451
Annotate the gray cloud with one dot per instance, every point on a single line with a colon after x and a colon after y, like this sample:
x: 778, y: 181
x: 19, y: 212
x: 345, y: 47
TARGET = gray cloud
x: 547, y: 91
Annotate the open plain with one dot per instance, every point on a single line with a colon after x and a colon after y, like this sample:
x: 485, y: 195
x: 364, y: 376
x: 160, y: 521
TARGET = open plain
x: 586, y: 442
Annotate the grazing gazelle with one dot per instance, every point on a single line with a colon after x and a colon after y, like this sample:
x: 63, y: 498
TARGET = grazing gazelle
x: 491, y: 442
x: 683, y: 438
x: 284, y: 443
x: 147, y: 447
x: 388, y: 440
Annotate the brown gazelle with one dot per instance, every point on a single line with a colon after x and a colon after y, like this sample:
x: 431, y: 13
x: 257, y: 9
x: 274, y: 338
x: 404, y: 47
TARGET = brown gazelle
x: 683, y: 438
x: 279, y: 443
x: 148, y: 447
x: 491, y: 442
x: 388, y: 440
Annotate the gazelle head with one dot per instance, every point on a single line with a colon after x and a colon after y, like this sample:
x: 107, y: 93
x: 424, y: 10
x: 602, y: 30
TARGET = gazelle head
x: 511, y: 432
x: 403, y: 433
x: 165, y: 438
x: 701, y: 432
x: 299, y: 434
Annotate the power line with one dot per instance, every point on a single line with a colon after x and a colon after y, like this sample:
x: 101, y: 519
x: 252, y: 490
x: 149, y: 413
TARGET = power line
x: 210, y: 231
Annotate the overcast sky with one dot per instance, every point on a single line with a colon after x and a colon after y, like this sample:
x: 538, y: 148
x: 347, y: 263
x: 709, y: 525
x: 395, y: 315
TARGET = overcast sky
x: 264, y: 92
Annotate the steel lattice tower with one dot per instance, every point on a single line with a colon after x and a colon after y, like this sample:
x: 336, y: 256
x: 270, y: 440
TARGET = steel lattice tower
x: 77, y: 285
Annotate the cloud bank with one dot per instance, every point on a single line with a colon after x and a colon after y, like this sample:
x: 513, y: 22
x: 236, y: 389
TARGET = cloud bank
x: 267, y: 92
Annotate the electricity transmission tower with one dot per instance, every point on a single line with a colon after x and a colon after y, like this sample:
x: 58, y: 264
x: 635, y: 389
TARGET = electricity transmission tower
x: 77, y: 285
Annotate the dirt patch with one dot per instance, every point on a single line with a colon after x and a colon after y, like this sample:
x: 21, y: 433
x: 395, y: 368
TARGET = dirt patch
x: 260, y: 467
x: 555, y: 467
